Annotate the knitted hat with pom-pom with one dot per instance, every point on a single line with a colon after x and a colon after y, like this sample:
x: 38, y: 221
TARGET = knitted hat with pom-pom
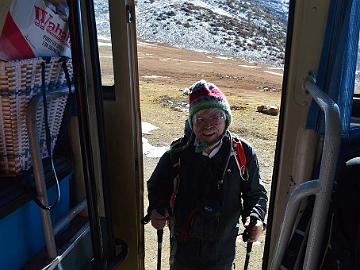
x: 204, y: 95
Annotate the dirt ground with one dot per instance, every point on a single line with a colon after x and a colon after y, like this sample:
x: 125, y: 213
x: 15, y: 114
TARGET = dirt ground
x: 164, y: 72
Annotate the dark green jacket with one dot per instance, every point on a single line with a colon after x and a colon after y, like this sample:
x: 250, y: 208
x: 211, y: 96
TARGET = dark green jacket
x: 206, y: 214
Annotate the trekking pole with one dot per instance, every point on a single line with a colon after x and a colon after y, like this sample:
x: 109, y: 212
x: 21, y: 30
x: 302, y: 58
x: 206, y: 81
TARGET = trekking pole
x: 160, y: 234
x: 159, y: 241
x: 248, y: 252
x: 248, y: 244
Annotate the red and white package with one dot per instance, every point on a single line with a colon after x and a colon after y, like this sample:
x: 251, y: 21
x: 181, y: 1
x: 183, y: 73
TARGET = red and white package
x: 35, y: 28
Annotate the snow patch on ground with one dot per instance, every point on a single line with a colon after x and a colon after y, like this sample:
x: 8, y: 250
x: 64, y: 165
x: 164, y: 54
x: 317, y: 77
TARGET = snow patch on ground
x: 104, y: 44
x: 201, y: 62
x: 148, y: 149
x: 223, y: 57
x: 147, y: 127
x: 153, y: 151
x: 154, y: 77
x: 247, y: 66
x: 273, y: 73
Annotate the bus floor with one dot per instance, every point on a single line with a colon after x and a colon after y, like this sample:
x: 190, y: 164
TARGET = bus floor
x: 73, y: 246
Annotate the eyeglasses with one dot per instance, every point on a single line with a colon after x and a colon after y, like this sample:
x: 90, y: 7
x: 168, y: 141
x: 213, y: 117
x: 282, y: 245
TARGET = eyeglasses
x: 215, y: 120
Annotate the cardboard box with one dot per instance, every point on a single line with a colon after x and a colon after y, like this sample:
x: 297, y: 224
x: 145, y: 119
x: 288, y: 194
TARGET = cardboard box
x: 35, y: 28
x: 4, y: 9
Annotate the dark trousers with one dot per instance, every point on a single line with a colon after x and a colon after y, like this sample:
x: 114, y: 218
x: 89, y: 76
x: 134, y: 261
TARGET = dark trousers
x: 177, y: 266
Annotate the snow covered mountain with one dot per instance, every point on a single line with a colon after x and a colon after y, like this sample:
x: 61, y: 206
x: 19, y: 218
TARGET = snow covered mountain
x: 248, y: 29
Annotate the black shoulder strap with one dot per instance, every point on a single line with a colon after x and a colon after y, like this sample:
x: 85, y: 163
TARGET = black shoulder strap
x: 175, y: 149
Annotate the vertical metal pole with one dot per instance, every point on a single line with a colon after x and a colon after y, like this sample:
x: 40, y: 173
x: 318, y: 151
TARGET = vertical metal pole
x: 326, y: 176
x: 40, y: 185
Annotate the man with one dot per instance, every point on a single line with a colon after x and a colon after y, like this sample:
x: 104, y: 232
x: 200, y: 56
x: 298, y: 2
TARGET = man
x: 203, y: 184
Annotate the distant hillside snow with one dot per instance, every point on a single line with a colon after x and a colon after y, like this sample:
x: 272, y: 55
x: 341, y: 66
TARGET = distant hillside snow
x: 249, y: 29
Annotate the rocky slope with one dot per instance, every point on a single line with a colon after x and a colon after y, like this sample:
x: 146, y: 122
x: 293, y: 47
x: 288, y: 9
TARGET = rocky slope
x: 248, y: 29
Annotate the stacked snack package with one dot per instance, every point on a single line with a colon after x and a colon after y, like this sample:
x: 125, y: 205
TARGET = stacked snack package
x: 35, y: 28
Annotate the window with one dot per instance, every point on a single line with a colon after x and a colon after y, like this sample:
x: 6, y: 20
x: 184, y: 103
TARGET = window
x: 104, y: 41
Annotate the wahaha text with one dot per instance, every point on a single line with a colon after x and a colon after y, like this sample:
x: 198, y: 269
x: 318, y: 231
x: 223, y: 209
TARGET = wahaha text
x: 44, y: 20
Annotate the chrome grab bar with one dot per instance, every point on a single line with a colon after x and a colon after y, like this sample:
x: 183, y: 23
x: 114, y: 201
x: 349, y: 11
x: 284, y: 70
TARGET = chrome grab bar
x: 73, y: 212
x: 302, y: 191
x: 328, y: 164
x: 38, y: 170
x: 321, y: 188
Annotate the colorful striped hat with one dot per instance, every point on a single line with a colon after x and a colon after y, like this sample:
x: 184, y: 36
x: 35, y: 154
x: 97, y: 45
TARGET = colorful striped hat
x: 204, y: 95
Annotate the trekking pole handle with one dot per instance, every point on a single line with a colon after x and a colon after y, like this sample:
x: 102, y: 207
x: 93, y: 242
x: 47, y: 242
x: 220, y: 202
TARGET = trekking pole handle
x: 246, y: 234
x: 145, y: 220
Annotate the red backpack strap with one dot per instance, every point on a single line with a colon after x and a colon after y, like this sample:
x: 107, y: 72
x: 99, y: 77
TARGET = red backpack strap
x: 240, y: 155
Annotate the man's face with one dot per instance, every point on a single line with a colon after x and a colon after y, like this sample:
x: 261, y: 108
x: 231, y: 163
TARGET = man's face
x: 209, y: 125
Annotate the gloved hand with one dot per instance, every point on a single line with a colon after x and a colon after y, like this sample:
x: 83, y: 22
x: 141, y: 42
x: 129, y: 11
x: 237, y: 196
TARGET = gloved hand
x: 158, y: 220
x: 253, y: 229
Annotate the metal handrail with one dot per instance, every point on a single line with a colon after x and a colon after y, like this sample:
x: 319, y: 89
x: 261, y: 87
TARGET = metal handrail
x: 38, y: 170
x: 80, y: 234
x: 302, y: 191
x: 72, y: 214
x: 321, y: 187
x: 329, y: 160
